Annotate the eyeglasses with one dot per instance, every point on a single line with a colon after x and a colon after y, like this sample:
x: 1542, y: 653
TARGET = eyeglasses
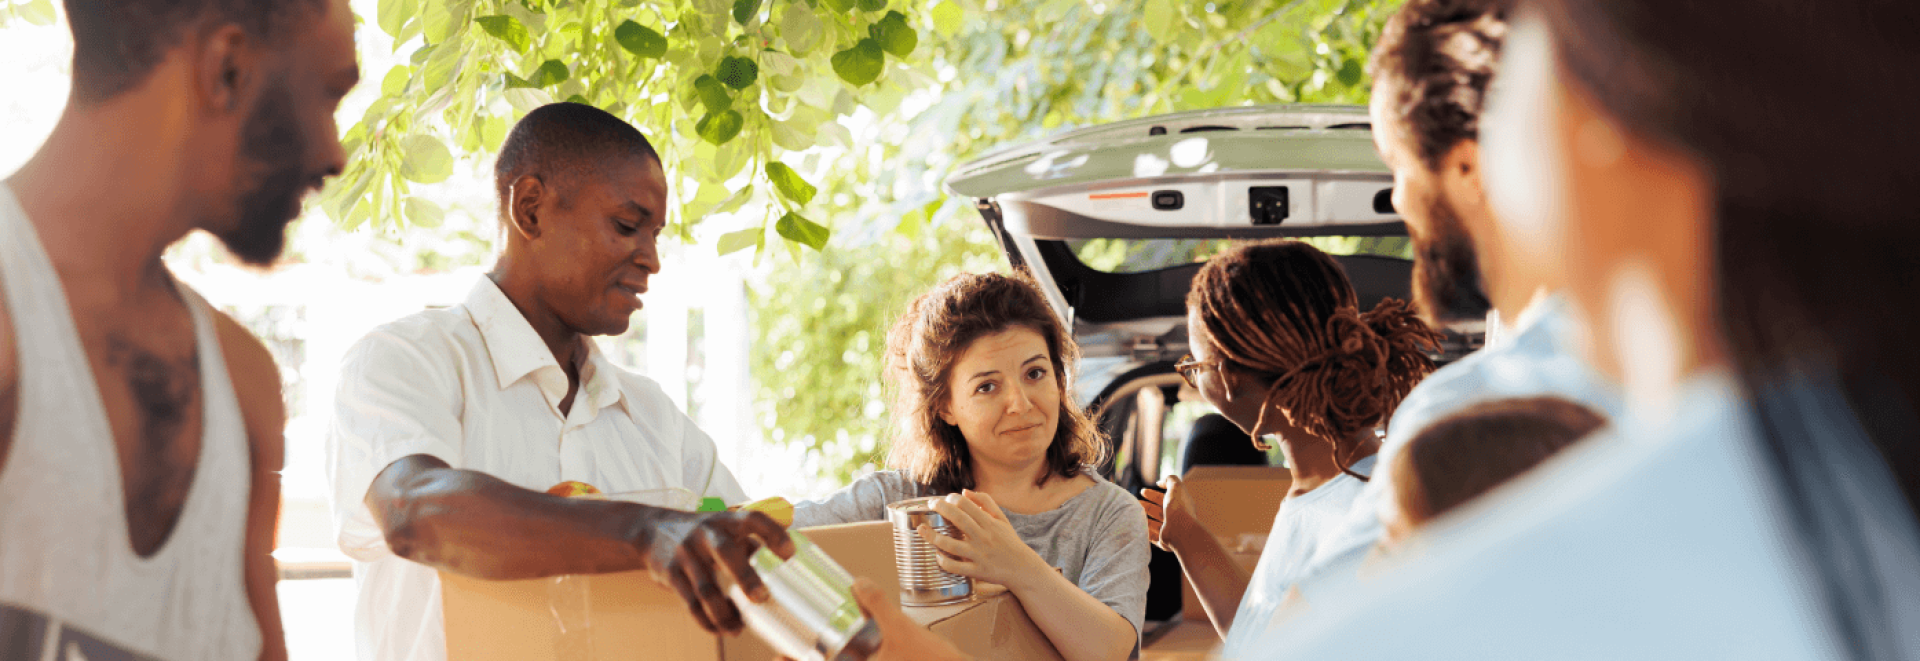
x: 1189, y: 366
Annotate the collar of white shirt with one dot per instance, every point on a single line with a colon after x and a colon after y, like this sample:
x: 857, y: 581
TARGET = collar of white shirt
x: 518, y: 352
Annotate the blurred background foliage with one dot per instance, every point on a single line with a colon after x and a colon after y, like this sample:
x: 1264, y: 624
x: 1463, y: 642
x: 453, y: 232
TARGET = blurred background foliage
x: 828, y: 124
x: 1010, y: 72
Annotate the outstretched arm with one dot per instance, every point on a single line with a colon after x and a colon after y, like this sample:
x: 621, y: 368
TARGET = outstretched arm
x: 1216, y: 578
x: 479, y: 525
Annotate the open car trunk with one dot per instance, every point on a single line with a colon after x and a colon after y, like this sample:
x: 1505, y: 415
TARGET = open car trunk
x: 1115, y: 221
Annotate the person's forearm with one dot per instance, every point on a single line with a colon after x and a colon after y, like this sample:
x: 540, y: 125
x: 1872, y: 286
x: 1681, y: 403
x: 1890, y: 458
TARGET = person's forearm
x: 1080, y: 626
x: 1215, y: 578
x: 478, y: 525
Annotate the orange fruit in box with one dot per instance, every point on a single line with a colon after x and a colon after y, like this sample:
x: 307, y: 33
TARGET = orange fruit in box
x: 572, y: 489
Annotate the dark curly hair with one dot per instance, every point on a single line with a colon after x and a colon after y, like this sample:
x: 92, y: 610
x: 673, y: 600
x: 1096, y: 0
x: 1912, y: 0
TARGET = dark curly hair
x: 1437, y: 57
x: 1285, y: 312
x: 921, y: 351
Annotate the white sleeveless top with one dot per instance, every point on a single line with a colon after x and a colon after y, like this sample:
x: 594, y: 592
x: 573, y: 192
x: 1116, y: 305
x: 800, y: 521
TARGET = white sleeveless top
x: 70, y: 582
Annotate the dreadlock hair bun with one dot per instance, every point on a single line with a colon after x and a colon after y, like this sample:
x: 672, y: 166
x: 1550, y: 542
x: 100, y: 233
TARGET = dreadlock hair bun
x: 1285, y: 311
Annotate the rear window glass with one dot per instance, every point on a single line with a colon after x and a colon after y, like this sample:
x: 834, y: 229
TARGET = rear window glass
x: 1142, y: 255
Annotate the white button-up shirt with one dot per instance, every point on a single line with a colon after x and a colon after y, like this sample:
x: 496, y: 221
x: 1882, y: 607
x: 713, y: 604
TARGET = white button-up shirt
x: 474, y: 386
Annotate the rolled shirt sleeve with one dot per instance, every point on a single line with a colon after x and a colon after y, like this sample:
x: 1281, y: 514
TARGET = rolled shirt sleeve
x: 394, y: 401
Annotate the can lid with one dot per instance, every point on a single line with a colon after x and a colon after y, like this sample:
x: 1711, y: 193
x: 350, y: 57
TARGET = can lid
x: 712, y: 504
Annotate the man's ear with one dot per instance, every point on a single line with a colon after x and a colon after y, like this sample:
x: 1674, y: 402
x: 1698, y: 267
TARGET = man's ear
x: 226, y: 68
x: 1460, y: 177
x: 523, y: 205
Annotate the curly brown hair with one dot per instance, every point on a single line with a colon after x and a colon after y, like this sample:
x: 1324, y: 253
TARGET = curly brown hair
x: 1438, y: 56
x: 930, y: 337
x: 1285, y: 312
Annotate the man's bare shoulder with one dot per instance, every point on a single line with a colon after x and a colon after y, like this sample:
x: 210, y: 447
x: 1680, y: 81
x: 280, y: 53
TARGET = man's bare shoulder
x: 256, y: 385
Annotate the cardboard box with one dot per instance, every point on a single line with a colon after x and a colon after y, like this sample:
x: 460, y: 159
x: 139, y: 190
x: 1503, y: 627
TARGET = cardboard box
x: 1235, y: 503
x: 629, y: 616
x: 1183, y: 641
x: 1231, y: 500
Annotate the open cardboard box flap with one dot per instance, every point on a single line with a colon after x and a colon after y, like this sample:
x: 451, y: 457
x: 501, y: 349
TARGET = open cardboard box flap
x: 630, y: 616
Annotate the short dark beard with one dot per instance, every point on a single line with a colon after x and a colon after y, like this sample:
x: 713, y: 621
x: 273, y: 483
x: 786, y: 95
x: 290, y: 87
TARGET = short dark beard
x: 1446, y: 269
x: 273, y: 155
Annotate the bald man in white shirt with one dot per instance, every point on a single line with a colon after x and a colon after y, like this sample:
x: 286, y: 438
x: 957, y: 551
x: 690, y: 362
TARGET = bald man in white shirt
x: 449, y: 424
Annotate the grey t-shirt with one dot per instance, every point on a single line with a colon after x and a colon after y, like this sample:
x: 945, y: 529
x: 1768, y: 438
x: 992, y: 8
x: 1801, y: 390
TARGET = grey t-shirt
x: 1097, y: 538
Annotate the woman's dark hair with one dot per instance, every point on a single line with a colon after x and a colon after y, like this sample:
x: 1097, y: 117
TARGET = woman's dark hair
x: 930, y: 337
x: 1796, y: 109
x: 1285, y: 312
x: 1467, y: 454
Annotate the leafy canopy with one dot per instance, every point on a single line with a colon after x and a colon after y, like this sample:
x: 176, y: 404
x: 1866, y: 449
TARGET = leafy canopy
x: 723, y: 89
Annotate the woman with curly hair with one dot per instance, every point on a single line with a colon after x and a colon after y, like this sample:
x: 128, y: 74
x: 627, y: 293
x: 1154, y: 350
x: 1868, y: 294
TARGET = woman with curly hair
x: 984, y: 416
x: 1282, y: 349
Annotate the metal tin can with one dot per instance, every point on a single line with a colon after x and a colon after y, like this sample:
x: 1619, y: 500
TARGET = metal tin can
x: 922, y: 581
x: 812, y: 615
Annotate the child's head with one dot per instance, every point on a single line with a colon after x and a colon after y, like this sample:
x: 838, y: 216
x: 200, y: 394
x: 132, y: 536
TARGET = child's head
x: 1469, y: 453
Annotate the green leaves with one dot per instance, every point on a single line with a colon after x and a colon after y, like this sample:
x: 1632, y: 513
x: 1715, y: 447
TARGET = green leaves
x: 442, y: 20
x: 797, y: 229
x: 839, y: 5
x: 733, y: 242
x: 507, y: 29
x: 1158, y: 17
x: 743, y: 10
x: 860, y: 64
x: 38, y: 12
x: 427, y: 160
x: 790, y: 184
x: 871, y: 5
x: 1351, y: 73
x: 640, y: 40
x: 393, y: 15
x: 737, y: 72
x: 422, y: 212
x: 719, y: 127
x: 712, y: 94
x: 894, y: 35
x: 947, y: 17
x: 550, y: 73
x: 800, y: 28
x: 396, y: 80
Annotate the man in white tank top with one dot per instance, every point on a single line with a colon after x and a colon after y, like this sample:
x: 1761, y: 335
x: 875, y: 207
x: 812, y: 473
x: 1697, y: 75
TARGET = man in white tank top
x: 140, y: 431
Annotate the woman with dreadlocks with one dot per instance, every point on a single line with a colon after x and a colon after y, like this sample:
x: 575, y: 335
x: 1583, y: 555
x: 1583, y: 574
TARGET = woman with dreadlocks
x: 1282, y: 349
